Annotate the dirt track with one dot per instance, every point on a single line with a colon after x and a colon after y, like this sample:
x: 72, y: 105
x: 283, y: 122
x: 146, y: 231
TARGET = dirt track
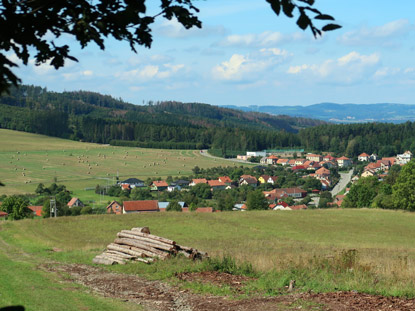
x: 159, y: 296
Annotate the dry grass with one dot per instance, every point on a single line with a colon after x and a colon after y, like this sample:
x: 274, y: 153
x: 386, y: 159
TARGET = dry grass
x: 28, y: 159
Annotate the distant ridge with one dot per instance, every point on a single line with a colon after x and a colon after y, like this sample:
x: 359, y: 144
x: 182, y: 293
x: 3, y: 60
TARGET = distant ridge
x: 342, y: 113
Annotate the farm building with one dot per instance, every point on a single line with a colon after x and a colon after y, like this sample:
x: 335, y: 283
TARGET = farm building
x: 114, y: 208
x: 37, y: 210
x: 140, y: 206
x: 132, y: 183
x: 75, y: 202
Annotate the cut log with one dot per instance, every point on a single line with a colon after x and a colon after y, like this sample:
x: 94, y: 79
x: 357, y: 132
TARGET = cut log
x: 125, y: 249
x: 103, y: 261
x: 113, y: 257
x: 186, y: 254
x: 185, y: 248
x: 155, y: 237
x: 141, y: 245
x: 149, y: 237
x: 150, y: 254
x: 142, y: 229
x: 150, y: 242
x: 120, y: 254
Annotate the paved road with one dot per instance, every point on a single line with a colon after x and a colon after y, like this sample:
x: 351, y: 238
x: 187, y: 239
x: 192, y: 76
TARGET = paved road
x: 207, y: 154
x: 345, y: 178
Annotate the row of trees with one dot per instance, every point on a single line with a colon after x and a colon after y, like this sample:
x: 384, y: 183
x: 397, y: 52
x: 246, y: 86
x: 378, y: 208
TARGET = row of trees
x: 394, y: 192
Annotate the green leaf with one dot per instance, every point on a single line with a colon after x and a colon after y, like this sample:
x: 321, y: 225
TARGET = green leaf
x: 330, y: 27
x: 324, y: 17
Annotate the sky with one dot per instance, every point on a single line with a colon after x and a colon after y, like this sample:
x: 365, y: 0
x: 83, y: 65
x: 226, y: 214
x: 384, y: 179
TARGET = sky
x: 246, y: 55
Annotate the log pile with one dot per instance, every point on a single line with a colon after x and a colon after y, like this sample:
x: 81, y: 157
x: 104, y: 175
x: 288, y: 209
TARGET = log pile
x: 138, y: 244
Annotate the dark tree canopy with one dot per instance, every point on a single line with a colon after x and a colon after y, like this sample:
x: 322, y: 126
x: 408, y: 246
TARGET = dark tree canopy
x: 33, y: 26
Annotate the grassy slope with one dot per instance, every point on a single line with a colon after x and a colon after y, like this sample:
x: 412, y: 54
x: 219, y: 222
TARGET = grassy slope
x: 301, y: 245
x: 42, y: 158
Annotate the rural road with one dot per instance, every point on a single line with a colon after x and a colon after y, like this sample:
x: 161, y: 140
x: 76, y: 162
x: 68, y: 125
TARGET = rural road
x: 206, y: 154
x: 344, y: 180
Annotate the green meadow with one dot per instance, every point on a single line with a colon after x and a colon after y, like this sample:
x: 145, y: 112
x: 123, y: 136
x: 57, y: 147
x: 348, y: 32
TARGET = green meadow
x: 368, y: 251
x: 29, y: 159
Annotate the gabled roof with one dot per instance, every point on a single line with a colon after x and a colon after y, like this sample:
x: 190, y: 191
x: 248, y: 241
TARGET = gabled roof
x: 199, y: 181
x: 298, y: 167
x: 225, y: 179
x: 36, y: 209
x: 273, y: 178
x: 182, y: 182
x: 307, y: 163
x: 291, y: 162
x: 365, y: 155
x: 265, y: 177
x: 3, y: 214
x: 249, y: 179
x: 141, y: 206
x: 282, y: 203
x: 126, y: 186
x: 323, y: 171
x: 282, y: 161
x: 216, y: 183
x: 112, y: 203
x: 72, y: 201
x: 343, y: 158
x: 293, y: 190
x: 313, y: 155
x: 160, y: 183
x: 273, y: 157
x: 132, y: 181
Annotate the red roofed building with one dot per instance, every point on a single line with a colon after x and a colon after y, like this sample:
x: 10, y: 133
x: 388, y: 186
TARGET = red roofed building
x: 328, y: 158
x: 226, y: 180
x: 344, y: 161
x: 248, y: 180
x: 37, y: 210
x: 322, y: 173
x: 114, y: 208
x: 159, y: 185
x: 283, y: 161
x: 391, y: 160
x: 75, y: 202
x: 281, y: 206
x: 364, y: 157
x: 272, y: 159
x: 140, y: 206
x: 274, y: 195
x: 3, y: 214
x: 198, y: 181
x: 298, y: 168
x: 314, y: 157
x: 216, y: 185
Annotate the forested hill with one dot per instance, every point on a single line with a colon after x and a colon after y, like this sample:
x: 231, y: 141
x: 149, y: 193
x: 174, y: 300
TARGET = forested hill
x: 99, y: 118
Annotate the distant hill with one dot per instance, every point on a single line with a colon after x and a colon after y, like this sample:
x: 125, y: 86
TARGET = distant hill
x: 94, y: 117
x: 342, y: 113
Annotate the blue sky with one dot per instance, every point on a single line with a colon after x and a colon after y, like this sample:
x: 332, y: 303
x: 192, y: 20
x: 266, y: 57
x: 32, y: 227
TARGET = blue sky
x: 246, y: 55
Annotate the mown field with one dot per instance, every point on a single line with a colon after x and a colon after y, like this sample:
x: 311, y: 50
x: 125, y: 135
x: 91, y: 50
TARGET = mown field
x: 29, y: 159
x: 368, y: 251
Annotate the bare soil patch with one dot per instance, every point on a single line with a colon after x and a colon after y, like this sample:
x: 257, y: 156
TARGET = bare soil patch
x: 159, y: 296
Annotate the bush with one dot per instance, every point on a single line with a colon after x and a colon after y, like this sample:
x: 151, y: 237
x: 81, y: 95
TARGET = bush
x: 86, y: 210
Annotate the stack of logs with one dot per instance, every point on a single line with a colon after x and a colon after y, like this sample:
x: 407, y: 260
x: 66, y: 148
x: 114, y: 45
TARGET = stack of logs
x: 138, y: 244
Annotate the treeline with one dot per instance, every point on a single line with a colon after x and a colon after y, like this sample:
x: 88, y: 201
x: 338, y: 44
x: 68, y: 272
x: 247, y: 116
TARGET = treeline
x: 93, y: 117
x: 384, y: 139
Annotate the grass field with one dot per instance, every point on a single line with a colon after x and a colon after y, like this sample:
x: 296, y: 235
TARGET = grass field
x: 323, y: 250
x: 28, y: 159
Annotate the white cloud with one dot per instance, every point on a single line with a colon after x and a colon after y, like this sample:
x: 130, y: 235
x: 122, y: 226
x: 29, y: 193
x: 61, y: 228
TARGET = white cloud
x: 71, y: 76
x: 264, y: 39
x: 347, y: 69
x: 247, y: 67
x: 173, y: 29
x: 385, y: 35
x: 150, y: 73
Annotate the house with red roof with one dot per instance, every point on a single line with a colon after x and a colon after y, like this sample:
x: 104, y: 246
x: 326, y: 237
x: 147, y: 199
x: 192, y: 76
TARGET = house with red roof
x: 3, y: 215
x: 328, y: 158
x: 322, y: 173
x: 37, y: 210
x: 292, y: 162
x: 159, y: 185
x: 275, y: 195
x: 204, y: 210
x: 295, y: 192
x: 314, y: 157
x: 283, y: 162
x: 248, y: 180
x: 140, y: 206
x: 197, y: 181
x: 297, y: 168
x: 226, y: 180
x: 281, y: 206
x: 344, y: 161
x: 272, y: 159
x: 75, y: 202
x: 299, y: 161
x: 216, y: 185
x: 364, y: 157
x: 114, y: 208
